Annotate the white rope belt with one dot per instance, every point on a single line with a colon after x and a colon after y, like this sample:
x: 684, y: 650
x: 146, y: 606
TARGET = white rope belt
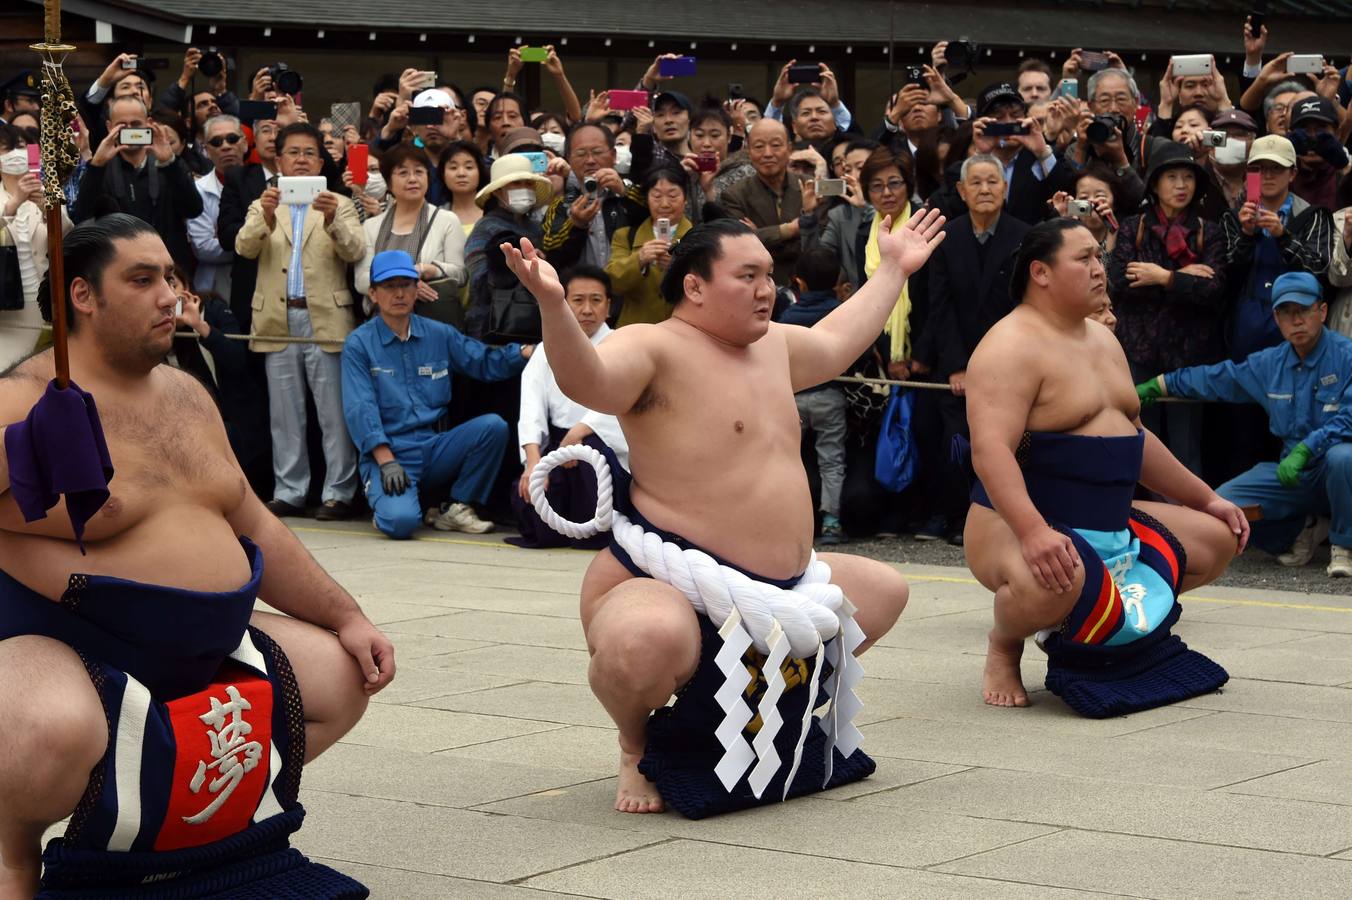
x: 813, y: 619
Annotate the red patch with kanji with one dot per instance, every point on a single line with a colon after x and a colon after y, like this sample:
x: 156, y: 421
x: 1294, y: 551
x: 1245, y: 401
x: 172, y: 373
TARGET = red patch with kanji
x: 223, y: 740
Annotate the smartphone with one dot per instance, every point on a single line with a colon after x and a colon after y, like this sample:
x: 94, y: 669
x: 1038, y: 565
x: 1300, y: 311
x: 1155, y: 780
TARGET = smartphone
x: 345, y: 114
x: 428, y: 79
x: 805, y: 73
x: 1256, y: 24
x: 534, y: 54
x: 662, y: 230
x: 358, y: 157
x: 706, y: 162
x: 426, y: 115
x: 1093, y: 61
x: 1069, y: 87
x: 830, y: 187
x: 1142, y: 116
x: 1005, y: 129
x: 916, y: 75
x: 301, y: 190
x: 1305, y: 64
x: 675, y: 68
x: 178, y: 307
x: 1191, y: 66
x: 1253, y: 187
x: 621, y: 99
x: 538, y: 161
x: 136, y: 137
x: 253, y: 110
x: 34, y: 158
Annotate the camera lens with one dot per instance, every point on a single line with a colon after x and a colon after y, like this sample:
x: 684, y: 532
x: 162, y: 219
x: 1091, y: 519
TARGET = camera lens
x: 1100, y: 131
x: 286, y: 79
x: 958, y: 53
x: 210, y: 65
x: 589, y: 185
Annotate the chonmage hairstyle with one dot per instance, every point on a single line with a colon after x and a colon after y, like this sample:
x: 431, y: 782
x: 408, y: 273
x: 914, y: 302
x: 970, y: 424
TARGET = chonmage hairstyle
x: 1039, y: 245
x: 697, y: 252
x: 86, y: 253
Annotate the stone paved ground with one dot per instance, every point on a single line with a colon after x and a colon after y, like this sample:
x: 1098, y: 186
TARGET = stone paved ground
x: 487, y: 769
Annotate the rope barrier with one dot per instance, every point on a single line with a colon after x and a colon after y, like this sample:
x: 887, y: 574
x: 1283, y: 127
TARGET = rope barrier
x: 848, y: 379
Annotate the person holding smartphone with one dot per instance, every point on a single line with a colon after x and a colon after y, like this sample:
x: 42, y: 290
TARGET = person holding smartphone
x: 641, y: 254
x: 23, y: 237
x: 134, y: 170
x: 1004, y: 129
x: 1166, y: 276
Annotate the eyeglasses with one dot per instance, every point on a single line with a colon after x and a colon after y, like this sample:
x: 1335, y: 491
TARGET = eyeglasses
x: 1296, y: 311
x: 222, y: 139
x: 896, y: 186
x: 298, y: 153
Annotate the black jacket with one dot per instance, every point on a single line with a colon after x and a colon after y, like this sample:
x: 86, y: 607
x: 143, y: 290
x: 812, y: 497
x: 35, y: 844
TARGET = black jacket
x: 167, y: 206
x: 242, y: 186
x: 968, y: 291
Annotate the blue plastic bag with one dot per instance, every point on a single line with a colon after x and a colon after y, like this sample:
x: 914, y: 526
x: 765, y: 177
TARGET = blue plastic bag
x: 895, y: 462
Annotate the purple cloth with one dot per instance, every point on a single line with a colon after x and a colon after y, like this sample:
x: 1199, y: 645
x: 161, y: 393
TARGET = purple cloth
x: 59, y: 449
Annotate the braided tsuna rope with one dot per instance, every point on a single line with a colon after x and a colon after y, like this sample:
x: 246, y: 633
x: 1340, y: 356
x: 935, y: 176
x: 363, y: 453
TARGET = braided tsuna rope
x: 812, y: 619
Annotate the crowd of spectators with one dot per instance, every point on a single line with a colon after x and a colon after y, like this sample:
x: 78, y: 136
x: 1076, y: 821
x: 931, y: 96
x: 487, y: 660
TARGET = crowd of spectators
x: 387, y: 337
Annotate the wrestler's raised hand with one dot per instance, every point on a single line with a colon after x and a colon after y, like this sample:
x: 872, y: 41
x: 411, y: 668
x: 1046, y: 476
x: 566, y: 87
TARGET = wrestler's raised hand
x: 1052, y: 558
x: 536, y: 275
x: 1232, y: 516
x: 911, y: 245
x: 373, y: 652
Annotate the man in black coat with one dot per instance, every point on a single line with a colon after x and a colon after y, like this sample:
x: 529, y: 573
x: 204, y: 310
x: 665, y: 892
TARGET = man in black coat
x: 243, y: 185
x: 1027, y: 160
x: 968, y: 290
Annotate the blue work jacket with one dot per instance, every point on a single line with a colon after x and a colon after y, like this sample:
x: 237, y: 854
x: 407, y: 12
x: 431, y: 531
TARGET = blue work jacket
x: 395, y: 391
x: 1307, y: 400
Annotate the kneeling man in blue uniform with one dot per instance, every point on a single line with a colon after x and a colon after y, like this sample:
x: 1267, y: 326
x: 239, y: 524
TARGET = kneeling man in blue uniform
x: 397, y: 372
x: 1305, y: 384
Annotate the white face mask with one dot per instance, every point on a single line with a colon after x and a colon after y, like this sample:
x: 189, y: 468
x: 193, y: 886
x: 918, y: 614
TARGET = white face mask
x: 1232, y: 153
x: 15, y: 162
x: 624, y: 158
x: 552, y: 142
x: 521, y: 200
x: 375, y: 185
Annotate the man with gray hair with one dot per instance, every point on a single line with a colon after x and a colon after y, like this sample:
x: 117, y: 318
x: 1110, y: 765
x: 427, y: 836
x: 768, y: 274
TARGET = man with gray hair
x: 223, y: 141
x: 1278, y: 103
x: 969, y: 276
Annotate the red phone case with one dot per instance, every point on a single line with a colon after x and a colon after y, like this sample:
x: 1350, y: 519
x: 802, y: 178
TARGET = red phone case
x: 358, y: 155
x: 1253, y: 187
x: 34, y: 157
x: 621, y: 100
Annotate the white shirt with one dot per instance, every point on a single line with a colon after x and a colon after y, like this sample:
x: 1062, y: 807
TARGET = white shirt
x: 213, y: 270
x: 543, y: 404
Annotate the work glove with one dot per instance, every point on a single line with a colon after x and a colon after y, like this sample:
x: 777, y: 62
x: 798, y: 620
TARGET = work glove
x: 1288, y: 470
x: 393, y: 478
x: 1150, y: 391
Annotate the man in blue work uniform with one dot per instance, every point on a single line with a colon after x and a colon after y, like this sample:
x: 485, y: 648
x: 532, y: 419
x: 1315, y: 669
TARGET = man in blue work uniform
x: 397, y: 372
x: 1305, y: 384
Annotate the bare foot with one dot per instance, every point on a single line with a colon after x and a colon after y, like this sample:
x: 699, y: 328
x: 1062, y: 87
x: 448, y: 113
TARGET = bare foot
x: 18, y: 883
x: 636, y: 794
x: 1001, y: 684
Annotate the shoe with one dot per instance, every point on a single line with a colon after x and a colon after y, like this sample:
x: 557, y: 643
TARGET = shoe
x: 1314, y: 533
x: 456, y: 517
x: 283, y: 510
x: 936, y: 529
x: 1341, y: 564
x: 832, y: 533
x: 333, y: 511
x: 955, y: 539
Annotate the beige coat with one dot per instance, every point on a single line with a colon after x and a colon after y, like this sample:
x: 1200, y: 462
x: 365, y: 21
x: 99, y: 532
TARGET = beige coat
x: 325, y: 254
x: 1340, y: 276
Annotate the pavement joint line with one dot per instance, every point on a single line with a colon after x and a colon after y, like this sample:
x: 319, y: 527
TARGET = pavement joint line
x: 514, y: 736
x: 899, y: 787
x: 478, y: 807
x: 466, y: 712
x: 666, y: 840
x: 371, y: 865
x: 944, y: 579
x: 1306, y: 764
x: 1055, y: 830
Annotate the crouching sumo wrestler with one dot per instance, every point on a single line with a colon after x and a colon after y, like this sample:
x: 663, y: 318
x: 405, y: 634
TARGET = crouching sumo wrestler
x: 710, y: 588
x: 140, y: 694
x: 1059, y: 449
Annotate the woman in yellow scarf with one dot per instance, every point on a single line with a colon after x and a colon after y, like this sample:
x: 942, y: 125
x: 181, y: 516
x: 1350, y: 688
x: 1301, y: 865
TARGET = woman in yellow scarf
x: 886, y: 183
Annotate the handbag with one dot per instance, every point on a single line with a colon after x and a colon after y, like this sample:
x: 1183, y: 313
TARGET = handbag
x: 864, y: 403
x: 513, y: 316
x: 895, y: 462
x: 447, y: 308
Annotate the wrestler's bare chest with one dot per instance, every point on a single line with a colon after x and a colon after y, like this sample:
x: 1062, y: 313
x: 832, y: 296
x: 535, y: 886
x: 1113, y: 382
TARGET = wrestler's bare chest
x: 1085, y: 390
x: 164, y: 456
